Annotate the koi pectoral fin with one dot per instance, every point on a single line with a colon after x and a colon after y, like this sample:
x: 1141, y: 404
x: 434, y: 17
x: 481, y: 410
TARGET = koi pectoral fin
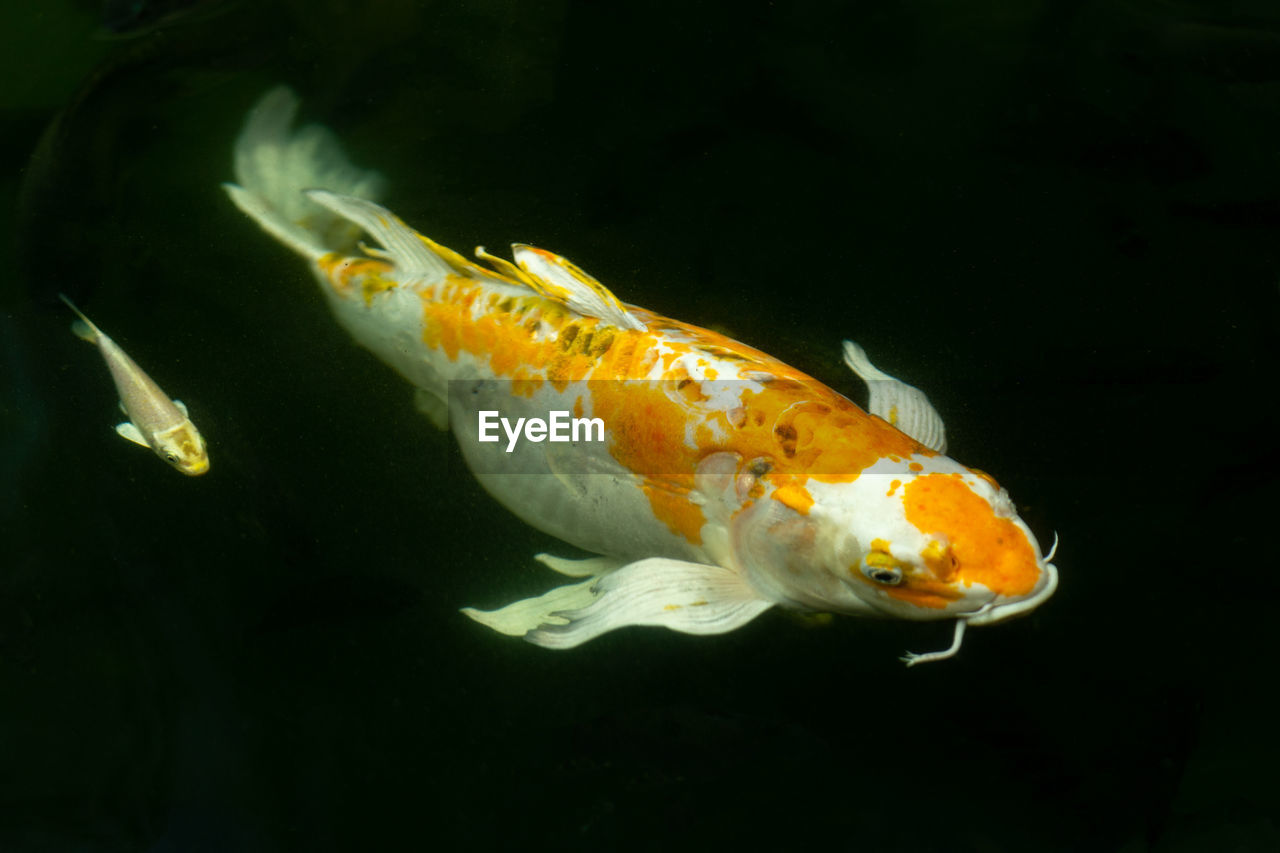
x: 903, y: 405
x: 588, y: 567
x: 131, y: 432
x: 693, y: 598
x: 521, y: 617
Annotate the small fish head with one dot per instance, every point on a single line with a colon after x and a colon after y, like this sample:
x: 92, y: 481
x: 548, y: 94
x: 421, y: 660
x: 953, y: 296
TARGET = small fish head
x: 184, y: 449
x: 947, y: 544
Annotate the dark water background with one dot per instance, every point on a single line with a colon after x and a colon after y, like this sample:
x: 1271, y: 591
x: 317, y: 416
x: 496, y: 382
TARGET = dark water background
x: 1060, y: 219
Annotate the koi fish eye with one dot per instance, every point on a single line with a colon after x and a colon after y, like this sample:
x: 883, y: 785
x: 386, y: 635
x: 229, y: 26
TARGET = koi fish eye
x: 881, y: 575
x: 171, y: 458
x: 881, y: 568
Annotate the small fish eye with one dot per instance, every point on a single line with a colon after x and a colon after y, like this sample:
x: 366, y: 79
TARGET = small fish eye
x: 171, y: 458
x: 883, y: 575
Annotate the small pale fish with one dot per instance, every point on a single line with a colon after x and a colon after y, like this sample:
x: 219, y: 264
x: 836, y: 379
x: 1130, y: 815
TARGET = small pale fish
x: 155, y: 421
x: 727, y: 482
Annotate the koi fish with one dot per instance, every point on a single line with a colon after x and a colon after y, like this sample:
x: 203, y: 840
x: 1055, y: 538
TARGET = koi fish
x: 727, y: 483
x: 155, y: 421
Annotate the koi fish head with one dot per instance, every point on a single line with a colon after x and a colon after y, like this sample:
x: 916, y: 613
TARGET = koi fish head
x: 184, y: 449
x: 944, y: 543
x: 948, y: 544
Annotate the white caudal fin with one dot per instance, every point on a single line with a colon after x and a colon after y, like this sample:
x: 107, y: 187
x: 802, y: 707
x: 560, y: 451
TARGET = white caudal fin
x: 274, y: 163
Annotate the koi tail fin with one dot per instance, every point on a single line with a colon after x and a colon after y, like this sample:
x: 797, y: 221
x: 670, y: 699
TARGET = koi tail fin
x: 275, y: 163
x: 83, y: 327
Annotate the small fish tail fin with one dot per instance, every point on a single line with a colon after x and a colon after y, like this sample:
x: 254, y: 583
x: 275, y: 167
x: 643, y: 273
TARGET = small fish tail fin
x: 83, y: 328
x: 274, y: 163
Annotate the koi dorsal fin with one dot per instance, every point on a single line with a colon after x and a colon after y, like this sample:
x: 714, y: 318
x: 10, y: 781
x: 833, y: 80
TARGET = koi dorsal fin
x: 406, y: 248
x: 547, y: 274
x: 555, y: 278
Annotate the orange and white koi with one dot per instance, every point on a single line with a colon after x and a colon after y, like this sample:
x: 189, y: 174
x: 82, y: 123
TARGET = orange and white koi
x: 727, y: 483
x: 155, y: 422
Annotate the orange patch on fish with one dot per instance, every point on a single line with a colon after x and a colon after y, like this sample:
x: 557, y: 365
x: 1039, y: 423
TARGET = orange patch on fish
x: 368, y: 275
x: 524, y: 385
x: 794, y: 497
x: 807, y: 429
x: 983, y: 475
x: 938, y: 559
x: 671, y: 505
x: 988, y: 550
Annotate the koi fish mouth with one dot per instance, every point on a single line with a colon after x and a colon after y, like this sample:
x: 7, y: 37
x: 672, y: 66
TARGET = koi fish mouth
x: 195, y: 468
x: 993, y: 612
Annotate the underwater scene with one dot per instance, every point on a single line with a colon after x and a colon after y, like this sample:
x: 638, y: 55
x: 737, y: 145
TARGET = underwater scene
x: 923, y: 356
